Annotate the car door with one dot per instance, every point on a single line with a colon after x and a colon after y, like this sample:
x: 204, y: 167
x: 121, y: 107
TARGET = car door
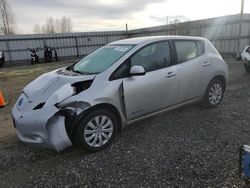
x: 155, y: 90
x: 190, y: 67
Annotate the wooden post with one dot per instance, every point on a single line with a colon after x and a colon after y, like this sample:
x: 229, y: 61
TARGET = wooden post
x: 77, y: 47
x: 8, y: 50
x: 240, y: 28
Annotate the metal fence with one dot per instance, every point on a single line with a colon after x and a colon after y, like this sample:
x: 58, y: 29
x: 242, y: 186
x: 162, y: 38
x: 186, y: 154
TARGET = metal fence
x: 223, y: 32
x: 67, y: 45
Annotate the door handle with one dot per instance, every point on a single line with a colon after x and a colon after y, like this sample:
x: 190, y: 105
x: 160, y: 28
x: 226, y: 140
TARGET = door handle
x: 170, y: 74
x: 206, y: 64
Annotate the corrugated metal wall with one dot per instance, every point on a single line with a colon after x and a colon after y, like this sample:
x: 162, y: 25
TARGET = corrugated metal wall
x: 221, y: 31
x: 67, y: 44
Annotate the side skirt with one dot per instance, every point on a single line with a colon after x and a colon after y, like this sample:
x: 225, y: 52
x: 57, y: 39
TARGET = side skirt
x: 164, y: 110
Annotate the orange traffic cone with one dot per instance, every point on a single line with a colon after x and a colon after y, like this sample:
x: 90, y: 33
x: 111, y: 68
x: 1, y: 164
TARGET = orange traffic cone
x: 2, y: 101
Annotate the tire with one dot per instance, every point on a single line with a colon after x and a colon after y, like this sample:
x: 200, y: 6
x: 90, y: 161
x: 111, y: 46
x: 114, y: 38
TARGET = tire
x: 92, y: 138
x: 214, y: 94
x: 247, y: 67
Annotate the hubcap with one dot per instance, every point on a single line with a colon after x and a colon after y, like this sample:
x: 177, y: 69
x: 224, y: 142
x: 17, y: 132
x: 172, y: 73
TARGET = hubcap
x: 98, y: 131
x: 215, y: 94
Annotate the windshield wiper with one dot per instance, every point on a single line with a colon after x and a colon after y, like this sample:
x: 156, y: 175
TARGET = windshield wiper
x: 79, y: 72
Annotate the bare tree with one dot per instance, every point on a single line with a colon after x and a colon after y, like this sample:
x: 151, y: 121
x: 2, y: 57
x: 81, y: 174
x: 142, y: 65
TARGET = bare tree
x: 50, y: 25
x: 63, y: 25
x: 57, y: 25
x: 66, y: 24
x: 37, y: 29
x: 43, y: 29
x: 7, y: 18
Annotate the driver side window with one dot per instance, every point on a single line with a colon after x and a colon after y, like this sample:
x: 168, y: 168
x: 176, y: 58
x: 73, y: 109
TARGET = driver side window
x: 153, y: 57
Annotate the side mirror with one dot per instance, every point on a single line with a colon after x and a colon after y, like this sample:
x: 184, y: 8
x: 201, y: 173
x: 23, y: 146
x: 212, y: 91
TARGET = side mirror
x: 137, y: 71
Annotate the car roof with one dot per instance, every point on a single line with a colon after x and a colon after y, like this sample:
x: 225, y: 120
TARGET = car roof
x: 139, y: 40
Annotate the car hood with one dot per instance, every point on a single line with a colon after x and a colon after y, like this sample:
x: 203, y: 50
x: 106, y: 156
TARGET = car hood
x: 45, y: 85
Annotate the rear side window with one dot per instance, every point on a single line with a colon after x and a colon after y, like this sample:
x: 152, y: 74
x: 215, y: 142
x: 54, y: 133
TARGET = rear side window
x: 200, y: 47
x: 187, y: 50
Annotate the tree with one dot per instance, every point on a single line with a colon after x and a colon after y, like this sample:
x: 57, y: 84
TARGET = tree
x: 50, y: 25
x: 66, y: 25
x: 63, y: 25
x: 57, y: 25
x: 37, y: 29
x: 43, y: 29
x: 7, y: 18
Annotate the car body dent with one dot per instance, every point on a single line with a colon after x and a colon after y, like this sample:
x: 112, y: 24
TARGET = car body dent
x: 109, y: 94
x: 45, y: 126
x: 57, y: 133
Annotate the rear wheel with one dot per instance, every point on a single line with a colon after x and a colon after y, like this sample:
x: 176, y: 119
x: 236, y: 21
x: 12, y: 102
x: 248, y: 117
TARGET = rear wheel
x: 214, y: 94
x: 96, y: 130
x: 32, y: 61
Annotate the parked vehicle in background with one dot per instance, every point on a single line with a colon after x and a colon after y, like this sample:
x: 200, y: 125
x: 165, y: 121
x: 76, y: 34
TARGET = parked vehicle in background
x: 91, y: 101
x: 34, y: 55
x: 47, y: 54
x: 2, y: 58
x: 245, y: 56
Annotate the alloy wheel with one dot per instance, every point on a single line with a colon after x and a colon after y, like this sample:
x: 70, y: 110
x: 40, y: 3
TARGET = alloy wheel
x: 215, y: 94
x: 98, y: 131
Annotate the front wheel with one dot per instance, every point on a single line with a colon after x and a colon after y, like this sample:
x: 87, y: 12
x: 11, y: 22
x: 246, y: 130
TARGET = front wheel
x: 96, y: 130
x: 247, y: 66
x: 214, y: 94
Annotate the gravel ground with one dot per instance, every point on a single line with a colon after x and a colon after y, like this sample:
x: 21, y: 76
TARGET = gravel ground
x: 188, y: 147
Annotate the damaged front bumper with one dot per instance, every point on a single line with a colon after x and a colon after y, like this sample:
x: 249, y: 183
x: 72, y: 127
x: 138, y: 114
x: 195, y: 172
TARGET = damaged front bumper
x: 43, y: 127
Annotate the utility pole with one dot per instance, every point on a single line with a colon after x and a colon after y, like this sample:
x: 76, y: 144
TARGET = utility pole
x: 127, y: 31
x: 166, y: 20
x: 240, y: 28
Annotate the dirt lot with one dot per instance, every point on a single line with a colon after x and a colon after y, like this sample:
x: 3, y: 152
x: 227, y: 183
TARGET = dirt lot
x: 189, y: 147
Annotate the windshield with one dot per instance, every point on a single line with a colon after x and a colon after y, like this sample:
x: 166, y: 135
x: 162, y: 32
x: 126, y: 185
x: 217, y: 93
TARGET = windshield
x: 101, y: 59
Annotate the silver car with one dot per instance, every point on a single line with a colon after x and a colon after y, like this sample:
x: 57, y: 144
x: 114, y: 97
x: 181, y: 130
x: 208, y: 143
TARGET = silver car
x: 91, y: 101
x: 245, y: 56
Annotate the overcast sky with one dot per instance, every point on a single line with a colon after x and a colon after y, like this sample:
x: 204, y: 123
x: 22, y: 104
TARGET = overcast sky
x: 97, y: 15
